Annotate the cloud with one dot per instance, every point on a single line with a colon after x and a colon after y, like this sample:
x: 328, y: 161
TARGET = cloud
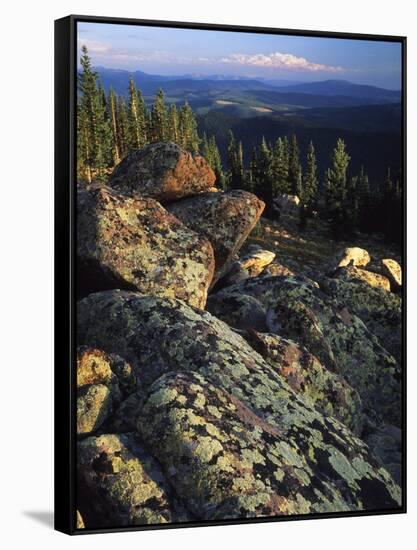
x: 278, y: 60
x: 94, y: 46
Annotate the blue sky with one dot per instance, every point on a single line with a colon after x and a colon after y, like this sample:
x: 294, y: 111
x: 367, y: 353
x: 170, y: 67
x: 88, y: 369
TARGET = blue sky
x: 187, y: 51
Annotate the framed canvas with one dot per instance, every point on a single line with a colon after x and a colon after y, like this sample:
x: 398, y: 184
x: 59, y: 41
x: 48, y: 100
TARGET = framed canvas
x: 230, y: 274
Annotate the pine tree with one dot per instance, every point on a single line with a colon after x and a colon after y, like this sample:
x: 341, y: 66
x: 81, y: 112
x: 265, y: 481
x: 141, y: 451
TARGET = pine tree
x: 136, y: 118
x: 294, y: 168
x: 173, y: 124
x: 159, y: 118
x: 211, y: 153
x: 113, y: 115
x: 365, y: 216
x: 310, y: 181
x: 235, y: 163
x: 279, y: 168
x: 122, y: 128
x: 188, y: 129
x: 336, y: 187
x: 263, y: 175
x: 95, y: 131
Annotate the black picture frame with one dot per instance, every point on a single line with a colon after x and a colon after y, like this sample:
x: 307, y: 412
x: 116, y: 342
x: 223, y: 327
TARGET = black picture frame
x: 65, y: 241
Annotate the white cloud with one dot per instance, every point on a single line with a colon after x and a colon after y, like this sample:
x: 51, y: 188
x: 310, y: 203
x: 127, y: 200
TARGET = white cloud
x: 278, y: 60
x: 94, y: 46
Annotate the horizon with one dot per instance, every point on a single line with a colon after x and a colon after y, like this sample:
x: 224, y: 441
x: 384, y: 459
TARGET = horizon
x: 240, y: 55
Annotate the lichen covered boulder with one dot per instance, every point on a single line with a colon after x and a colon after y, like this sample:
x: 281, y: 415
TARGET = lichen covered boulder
x: 121, y: 484
x: 249, y: 265
x: 103, y: 380
x: 285, y: 446
x: 300, y: 310
x: 242, y: 311
x: 381, y: 311
x: 162, y: 171
x: 225, y: 219
x: 392, y: 270
x: 136, y: 244
x: 371, y: 278
x: 306, y: 375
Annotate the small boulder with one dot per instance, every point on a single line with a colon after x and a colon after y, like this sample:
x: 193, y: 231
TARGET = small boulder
x: 249, y: 265
x: 392, y: 270
x: 351, y: 256
x: 225, y: 219
x: 276, y: 269
x: 136, y: 244
x: 80, y: 521
x: 286, y: 205
x: 103, y: 380
x: 120, y: 484
x: 162, y: 171
x: 352, y: 273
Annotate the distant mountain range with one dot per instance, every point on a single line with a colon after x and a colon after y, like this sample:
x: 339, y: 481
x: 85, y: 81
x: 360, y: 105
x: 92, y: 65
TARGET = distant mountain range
x: 185, y: 87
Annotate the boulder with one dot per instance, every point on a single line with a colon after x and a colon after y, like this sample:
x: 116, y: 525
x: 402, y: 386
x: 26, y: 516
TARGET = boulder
x: 241, y: 312
x: 136, y: 244
x: 392, y: 270
x: 298, y: 309
x: 306, y: 375
x: 277, y: 269
x: 249, y: 265
x: 287, y: 205
x: 232, y: 437
x: 381, y: 311
x: 351, y: 256
x: 225, y: 219
x: 120, y: 484
x: 371, y: 278
x: 162, y: 171
x: 103, y: 380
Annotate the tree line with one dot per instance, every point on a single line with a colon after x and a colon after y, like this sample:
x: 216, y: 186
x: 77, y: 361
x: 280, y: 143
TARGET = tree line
x: 109, y: 127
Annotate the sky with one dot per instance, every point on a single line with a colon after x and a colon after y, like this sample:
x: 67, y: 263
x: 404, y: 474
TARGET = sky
x: 168, y: 51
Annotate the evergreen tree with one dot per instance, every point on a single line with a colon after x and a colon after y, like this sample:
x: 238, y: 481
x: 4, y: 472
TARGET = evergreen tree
x: 294, y: 168
x: 113, y: 115
x: 263, y: 176
x: 122, y: 128
x: 211, y: 153
x: 279, y: 168
x: 159, y: 118
x: 173, y: 124
x: 188, y: 129
x: 136, y: 118
x: 365, y: 215
x: 310, y: 181
x: 336, y: 183
x: 95, y: 133
x: 235, y: 163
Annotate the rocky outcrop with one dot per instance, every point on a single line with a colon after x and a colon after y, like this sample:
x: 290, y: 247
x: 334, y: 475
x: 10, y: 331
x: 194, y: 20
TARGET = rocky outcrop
x: 162, y: 171
x: 232, y: 437
x: 276, y: 269
x: 392, y: 270
x: 122, y: 484
x: 371, y: 278
x: 225, y: 219
x: 351, y: 256
x: 287, y: 205
x: 306, y: 375
x: 103, y: 380
x: 300, y: 310
x: 136, y: 244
